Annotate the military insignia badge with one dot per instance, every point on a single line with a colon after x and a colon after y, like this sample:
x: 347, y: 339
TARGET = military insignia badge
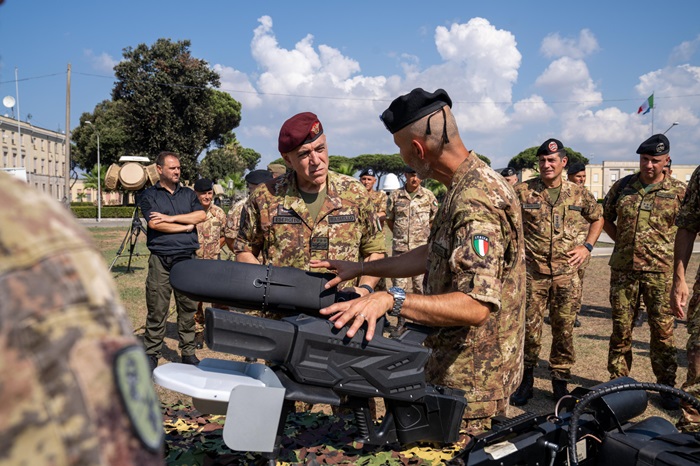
x: 133, y: 380
x: 480, y: 243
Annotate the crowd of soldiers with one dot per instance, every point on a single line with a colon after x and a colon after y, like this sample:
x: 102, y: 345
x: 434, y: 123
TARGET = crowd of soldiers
x: 482, y: 267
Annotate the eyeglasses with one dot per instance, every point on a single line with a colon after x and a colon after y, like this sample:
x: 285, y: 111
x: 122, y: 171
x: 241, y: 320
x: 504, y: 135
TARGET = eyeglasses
x: 445, y: 139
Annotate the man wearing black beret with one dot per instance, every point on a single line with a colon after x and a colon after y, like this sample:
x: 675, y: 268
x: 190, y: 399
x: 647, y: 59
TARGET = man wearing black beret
x: 640, y: 210
x: 311, y: 212
x: 510, y: 175
x: 553, y: 209
x: 253, y: 179
x: 473, y: 262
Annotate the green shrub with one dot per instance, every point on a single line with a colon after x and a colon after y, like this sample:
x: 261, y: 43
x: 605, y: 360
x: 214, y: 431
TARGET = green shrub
x: 90, y: 211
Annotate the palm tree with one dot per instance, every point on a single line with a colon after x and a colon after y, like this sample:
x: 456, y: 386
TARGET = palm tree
x: 91, y: 179
x: 345, y: 168
x: 233, y: 184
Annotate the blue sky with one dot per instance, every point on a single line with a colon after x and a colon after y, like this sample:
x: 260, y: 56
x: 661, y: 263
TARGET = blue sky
x: 518, y: 72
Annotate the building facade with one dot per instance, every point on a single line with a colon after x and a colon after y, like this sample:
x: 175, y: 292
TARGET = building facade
x: 40, y: 152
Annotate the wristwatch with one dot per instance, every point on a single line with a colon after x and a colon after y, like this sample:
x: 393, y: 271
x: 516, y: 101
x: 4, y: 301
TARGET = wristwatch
x: 399, y: 296
x: 588, y: 246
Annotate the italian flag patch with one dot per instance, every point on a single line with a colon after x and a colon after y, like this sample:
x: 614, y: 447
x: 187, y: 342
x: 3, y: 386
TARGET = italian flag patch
x: 480, y: 243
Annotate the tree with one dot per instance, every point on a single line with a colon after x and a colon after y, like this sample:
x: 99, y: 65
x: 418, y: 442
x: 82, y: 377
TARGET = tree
x: 106, y: 119
x: 91, y: 179
x: 485, y: 159
x: 169, y: 102
x: 232, y: 158
x: 528, y: 159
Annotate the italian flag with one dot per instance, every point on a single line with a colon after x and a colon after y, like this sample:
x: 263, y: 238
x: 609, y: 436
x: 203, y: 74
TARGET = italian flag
x: 646, y: 106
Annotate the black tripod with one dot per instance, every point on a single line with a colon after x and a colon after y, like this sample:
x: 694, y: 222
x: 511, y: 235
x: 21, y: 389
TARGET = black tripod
x: 132, y: 235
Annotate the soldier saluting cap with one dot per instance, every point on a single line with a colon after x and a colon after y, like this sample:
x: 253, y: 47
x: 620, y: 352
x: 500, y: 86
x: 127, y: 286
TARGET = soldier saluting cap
x: 413, y: 106
x: 300, y: 129
x: 550, y: 146
x: 367, y: 172
x: 656, y: 145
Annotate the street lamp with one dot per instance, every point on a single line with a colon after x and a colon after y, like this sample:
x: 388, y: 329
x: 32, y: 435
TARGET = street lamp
x: 674, y: 124
x: 99, y: 174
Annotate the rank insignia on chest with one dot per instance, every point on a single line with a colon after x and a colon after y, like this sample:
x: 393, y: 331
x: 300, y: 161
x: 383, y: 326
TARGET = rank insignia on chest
x: 480, y: 243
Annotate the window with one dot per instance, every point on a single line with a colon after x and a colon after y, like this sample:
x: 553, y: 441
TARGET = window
x: 4, y: 159
x: 595, y: 194
x: 595, y: 177
x: 613, y: 176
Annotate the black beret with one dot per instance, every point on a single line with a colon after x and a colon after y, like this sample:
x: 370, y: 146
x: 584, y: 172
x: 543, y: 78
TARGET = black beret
x: 412, y: 107
x: 550, y: 146
x: 367, y: 172
x: 575, y: 168
x: 203, y: 185
x: 258, y: 176
x: 300, y: 129
x: 407, y: 169
x: 508, y: 171
x: 656, y: 145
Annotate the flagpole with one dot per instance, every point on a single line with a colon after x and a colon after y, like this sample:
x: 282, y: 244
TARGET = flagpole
x: 653, y: 108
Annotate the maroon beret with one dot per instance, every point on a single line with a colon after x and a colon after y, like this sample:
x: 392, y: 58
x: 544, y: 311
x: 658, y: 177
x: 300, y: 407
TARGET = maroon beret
x: 300, y: 129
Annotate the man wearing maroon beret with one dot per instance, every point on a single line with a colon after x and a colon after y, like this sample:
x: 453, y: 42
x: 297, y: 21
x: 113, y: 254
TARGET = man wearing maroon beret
x: 310, y: 213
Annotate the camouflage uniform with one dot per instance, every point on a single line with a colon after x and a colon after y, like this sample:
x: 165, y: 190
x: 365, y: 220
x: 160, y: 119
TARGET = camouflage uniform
x: 476, y: 246
x: 379, y: 201
x: 209, y: 234
x: 689, y: 218
x: 412, y: 217
x: 276, y: 223
x: 551, y: 230
x: 233, y: 220
x: 74, y: 382
x: 577, y: 282
x: 641, y: 263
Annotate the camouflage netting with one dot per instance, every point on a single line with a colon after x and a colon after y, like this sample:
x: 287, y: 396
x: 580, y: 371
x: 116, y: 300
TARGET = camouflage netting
x: 309, y: 438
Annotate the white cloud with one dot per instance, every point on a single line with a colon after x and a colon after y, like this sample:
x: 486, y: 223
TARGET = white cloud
x: 103, y: 62
x: 554, y: 46
x: 568, y: 80
x: 239, y: 86
x: 684, y: 52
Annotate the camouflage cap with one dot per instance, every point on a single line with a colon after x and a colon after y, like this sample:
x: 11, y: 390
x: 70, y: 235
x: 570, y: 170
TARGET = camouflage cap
x: 300, y: 129
x: 658, y: 144
x: 277, y: 168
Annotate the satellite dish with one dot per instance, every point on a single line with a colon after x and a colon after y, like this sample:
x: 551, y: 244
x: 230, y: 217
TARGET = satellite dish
x: 8, y: 101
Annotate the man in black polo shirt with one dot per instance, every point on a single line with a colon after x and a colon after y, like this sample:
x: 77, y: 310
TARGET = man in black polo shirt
x: 172, y: 211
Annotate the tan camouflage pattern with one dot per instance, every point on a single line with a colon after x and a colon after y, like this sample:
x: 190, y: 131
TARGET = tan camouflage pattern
x: 276, y: 223
x: 558, y: 293
x: 61, y: 327
x: 209, y: 233
x: 412, y: 217
x: 484, y: 361
x: 379, y: 201
x: 645, y: 223
x: 583, y: 226
x: 655, y: 288
x: 233, y: 219
x: 553, y: 228
x: 689, y: 218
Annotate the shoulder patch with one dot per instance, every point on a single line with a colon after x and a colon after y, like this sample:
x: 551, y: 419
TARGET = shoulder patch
x: 133, y: 379
x: 480, y: 243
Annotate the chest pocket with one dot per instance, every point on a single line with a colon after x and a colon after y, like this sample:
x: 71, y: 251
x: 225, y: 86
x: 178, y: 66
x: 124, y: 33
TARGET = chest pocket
x: 664, y: 207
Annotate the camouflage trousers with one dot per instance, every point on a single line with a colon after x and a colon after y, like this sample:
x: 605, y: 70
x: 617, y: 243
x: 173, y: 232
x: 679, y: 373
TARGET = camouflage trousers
x: 416, y: 282
x: 655, y: 288
x: 690, y: 420
x: 578, y: 287
x: 158, y: 292
x: 558, y: 293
